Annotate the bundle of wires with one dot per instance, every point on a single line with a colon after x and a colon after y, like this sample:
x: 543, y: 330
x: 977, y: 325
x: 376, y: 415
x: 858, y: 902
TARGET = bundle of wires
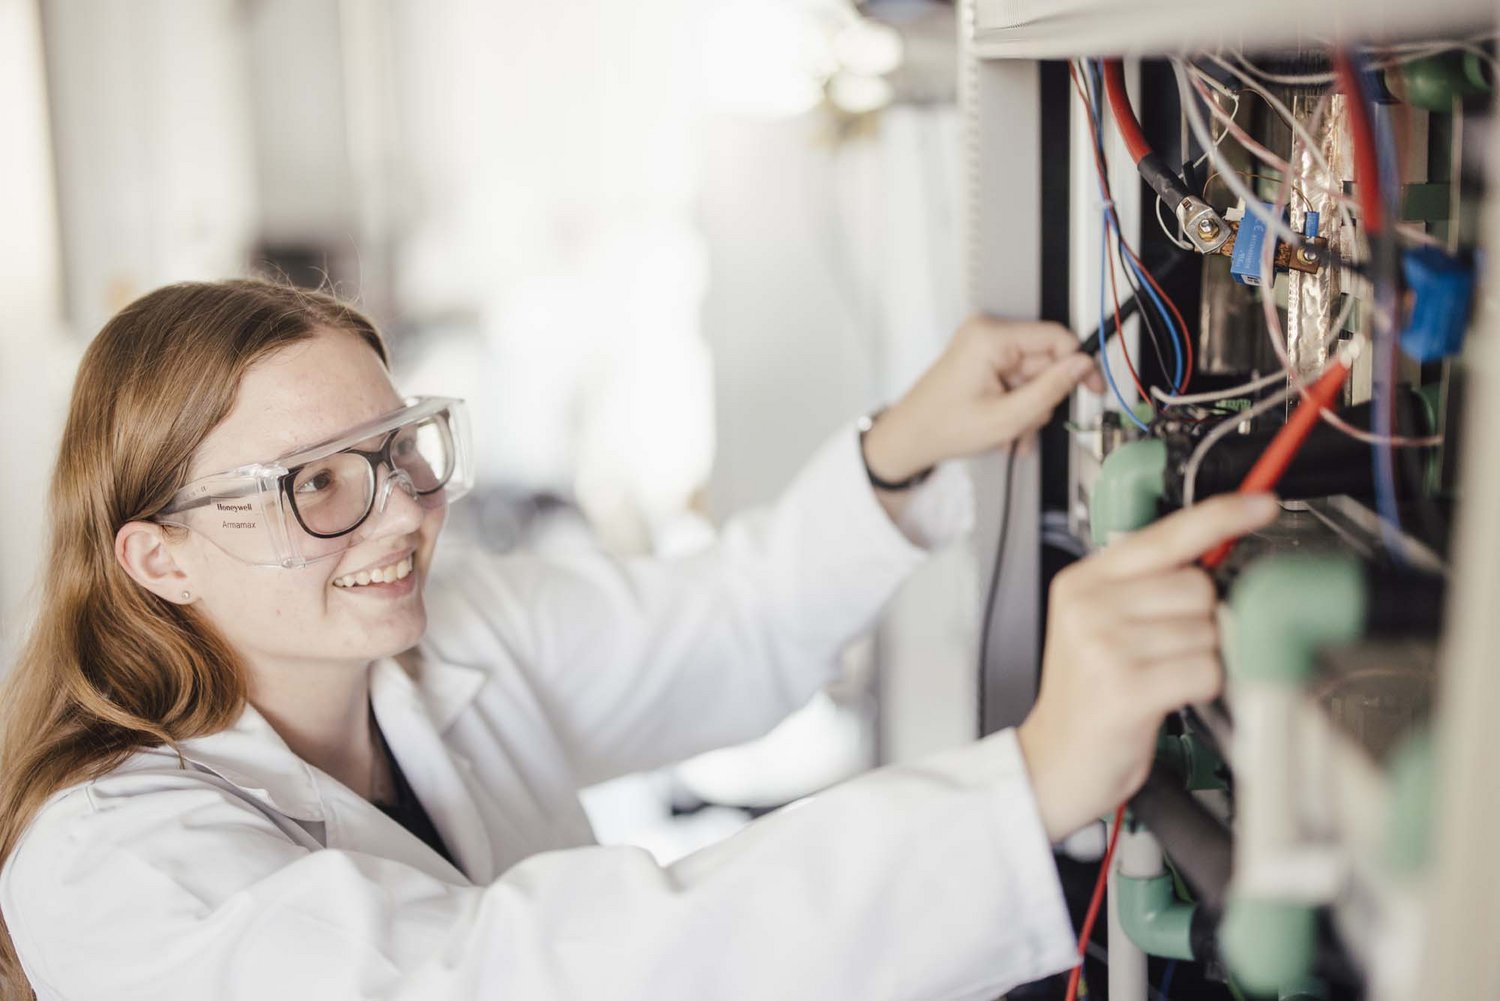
x: 1159, y: 313
x: 1378, y: 186
x: 1376, y: 197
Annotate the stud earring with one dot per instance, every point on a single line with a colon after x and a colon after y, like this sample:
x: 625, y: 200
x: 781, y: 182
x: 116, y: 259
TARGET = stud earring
x: 187, y: 596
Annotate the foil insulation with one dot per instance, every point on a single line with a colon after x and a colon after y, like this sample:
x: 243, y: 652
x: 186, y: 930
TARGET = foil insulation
x: 1315, y: 300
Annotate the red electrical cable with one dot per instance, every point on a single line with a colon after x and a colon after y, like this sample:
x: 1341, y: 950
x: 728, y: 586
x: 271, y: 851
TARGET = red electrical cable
x: 1109, y: 196
x: 1119, y: 105
x: 1114, y: 295
x: 1366, y: 164
x: 1272, y: 464
x: 1100, y: 881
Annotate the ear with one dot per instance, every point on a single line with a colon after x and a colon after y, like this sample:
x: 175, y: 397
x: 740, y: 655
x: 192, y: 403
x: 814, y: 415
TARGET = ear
x: 141, y: 547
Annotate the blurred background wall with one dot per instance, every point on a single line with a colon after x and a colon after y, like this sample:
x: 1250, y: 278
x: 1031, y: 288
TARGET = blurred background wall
x: 664, y: 247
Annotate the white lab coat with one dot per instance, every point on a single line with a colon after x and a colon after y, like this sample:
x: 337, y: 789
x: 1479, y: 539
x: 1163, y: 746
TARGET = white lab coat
x: 253, y: 875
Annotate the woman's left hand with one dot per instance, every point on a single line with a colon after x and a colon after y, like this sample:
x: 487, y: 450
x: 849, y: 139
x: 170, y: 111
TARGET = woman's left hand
x: 996, y: 382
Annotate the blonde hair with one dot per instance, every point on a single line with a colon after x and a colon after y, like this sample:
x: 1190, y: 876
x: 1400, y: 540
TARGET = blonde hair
x: 110, y: 668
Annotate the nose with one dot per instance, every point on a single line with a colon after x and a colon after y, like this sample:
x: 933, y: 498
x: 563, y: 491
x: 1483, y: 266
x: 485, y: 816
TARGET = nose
x: 391, y: 480
x: 395, y: 511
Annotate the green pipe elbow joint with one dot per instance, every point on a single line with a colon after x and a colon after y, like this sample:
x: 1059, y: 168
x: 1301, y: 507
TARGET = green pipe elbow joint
x: 1287, y: 608
x: 1436, y: 82
x: 1154, y: 919
x: 1128, y: 490
x: 1413, y: 772
x: 1269, y: 944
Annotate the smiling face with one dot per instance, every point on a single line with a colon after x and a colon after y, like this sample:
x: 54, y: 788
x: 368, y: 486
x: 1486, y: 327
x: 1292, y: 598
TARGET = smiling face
x: 320, y: 614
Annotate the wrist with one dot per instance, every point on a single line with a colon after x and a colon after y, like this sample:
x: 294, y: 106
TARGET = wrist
x: 893, y: 455
x: 1048, y: 790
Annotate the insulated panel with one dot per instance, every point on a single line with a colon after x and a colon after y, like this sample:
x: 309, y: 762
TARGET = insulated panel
x: 1049, y: 29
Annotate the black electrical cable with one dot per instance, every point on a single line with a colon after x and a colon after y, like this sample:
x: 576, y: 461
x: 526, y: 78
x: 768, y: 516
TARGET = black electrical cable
x: 1132, y: 304
x: 1136, y: 294
x: 1007, y: 493
x: 1090, y: 346
x: 1128, y: 307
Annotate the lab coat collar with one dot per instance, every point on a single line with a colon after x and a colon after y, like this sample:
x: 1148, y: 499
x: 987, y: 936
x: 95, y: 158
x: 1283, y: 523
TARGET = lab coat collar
x: 252, y: 756
x: 446, y: 688
x: 413, y: 713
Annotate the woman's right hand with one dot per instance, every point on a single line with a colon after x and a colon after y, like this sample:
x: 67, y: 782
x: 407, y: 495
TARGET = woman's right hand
x: 1131, y: 636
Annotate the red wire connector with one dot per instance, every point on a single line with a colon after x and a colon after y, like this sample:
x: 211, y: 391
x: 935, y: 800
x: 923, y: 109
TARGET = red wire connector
x: 1273, y: 462
x: 1199, y: 221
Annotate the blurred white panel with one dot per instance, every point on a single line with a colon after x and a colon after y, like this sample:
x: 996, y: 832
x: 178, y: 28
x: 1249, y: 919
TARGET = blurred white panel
x: 791, y: 313
x: 1044, y: 29
x: 836, y: 279
x: 28, y: 240
x: 151, y: 127
x: 36, y: 357
x: 304, y: 181
x: 548, y: 154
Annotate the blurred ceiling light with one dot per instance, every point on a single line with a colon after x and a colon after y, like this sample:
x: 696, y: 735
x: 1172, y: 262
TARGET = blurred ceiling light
x: 868, y: 48
x: 764, y: 58
x: 857, y: 94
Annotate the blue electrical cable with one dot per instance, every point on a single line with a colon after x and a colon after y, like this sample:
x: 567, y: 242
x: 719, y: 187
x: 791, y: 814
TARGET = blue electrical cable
x: 1112, y: 224
x: 1104, y: 233
x: 1163, y: 312
x: 1109, y: 376
x: 1166, y: 980
x: 1383, y: 375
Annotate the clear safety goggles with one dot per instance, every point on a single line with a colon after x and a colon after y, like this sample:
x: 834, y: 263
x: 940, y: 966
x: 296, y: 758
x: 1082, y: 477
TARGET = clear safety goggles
x: 306, y: 506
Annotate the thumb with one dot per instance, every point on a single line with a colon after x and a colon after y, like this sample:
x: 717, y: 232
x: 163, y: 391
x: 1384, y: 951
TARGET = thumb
x: 1030, y: 405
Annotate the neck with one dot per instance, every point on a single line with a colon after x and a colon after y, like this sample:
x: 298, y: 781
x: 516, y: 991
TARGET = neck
x: 323, y: 714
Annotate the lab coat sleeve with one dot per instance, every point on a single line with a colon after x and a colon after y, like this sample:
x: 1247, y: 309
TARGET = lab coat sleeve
x: 642, y: 662
x: 925, y: 882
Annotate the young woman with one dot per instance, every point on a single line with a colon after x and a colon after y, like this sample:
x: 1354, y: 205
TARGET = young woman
x: 234, y: 768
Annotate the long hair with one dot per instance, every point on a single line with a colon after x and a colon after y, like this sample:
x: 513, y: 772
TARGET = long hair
x: 109, y: 667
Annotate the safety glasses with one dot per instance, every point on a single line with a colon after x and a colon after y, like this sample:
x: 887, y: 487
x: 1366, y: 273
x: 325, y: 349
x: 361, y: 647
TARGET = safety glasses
x: 307, y: 506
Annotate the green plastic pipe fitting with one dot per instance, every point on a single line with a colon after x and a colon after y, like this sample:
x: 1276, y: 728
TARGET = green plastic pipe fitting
x: 1269, y: 944
x: 1287, y: 608
x: 1128, y: 490
x: 1436, y: 82
x: 1413, y: 791
x: 1154, y: 919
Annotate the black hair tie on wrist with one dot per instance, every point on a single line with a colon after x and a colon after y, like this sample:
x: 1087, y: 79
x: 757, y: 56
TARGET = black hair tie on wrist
x: 865, y: 424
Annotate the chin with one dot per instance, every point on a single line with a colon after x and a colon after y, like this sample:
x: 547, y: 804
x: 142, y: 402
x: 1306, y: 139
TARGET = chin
x: 397, y: 633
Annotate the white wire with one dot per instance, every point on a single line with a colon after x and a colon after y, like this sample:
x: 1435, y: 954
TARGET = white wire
x: 1222, y: 430
x: 1274, y: 331
x: 1177, y: 238
x: 1411, y: 231
x: 1216, y: 395
x: 1289, y: 79
x: 1341, y: 200
x: 1408, y: 52
x: 1286, y: 114
x: 1227, y: 173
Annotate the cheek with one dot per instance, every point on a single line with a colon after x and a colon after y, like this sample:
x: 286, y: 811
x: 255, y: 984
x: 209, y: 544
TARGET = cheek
x: 267, y: 610
x: 288, y: 598
x: 432, y: 527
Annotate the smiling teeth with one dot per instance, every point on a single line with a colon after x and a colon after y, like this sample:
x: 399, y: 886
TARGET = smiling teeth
x: 380, y: 575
